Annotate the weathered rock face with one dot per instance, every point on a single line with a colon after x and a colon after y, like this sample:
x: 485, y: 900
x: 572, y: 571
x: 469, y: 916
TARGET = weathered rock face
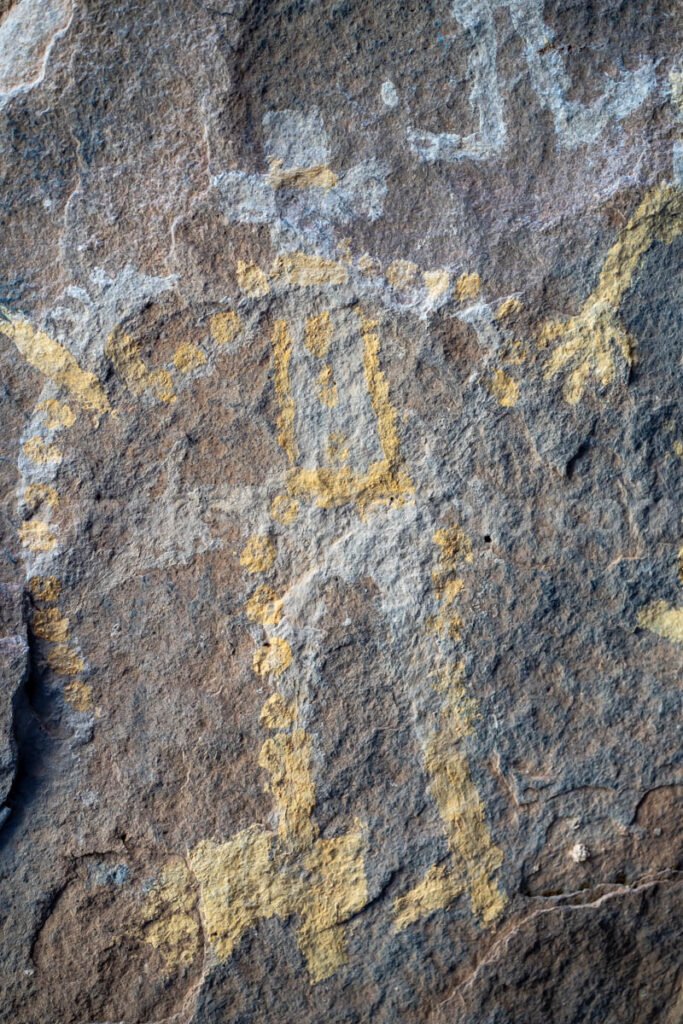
x: 341, y: 490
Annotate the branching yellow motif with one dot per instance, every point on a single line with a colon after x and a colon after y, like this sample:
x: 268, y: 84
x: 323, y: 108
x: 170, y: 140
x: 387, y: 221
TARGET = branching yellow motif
x: 591, y: 341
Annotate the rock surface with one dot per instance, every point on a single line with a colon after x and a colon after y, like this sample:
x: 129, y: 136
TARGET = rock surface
x: 341, y: 504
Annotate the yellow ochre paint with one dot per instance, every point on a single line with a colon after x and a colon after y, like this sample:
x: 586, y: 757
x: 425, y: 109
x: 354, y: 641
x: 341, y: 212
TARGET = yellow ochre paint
x: 79, y: 695
x: 590, y: 340
x: 402, y: 274
x: 327, y: 389
x: 45, y: 588
x: 664, y: 620
x: 57, y: 364
x: 261, y: 874
x: 508, y: 308
x: 284, y: 509
x: 36, y: 495
x: 505, y: 389
x: 264, y: 606
x: 300, y: 270
x: 319, y: 334
x: 467, y: 287
x: 474, y: 858
x: 124, y: 353
x: 282, y: 356
x: 436, y: 282
x: 188, y: 357
x: 252, y: 280
x: 57, y: 414
x: 273, y: 658
x: 37, y: 536
x: 50, y: 624
x: 318, y: 176
x: 224, y: 327
x: 64, y: 661
x: 258, y: 554
x: 41, y: 452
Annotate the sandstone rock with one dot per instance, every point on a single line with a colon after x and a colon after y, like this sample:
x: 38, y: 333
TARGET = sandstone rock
x: 341, y: 509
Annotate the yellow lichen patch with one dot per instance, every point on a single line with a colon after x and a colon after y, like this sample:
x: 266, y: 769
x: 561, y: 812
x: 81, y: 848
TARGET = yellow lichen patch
x: 591, y: 340
x: 170, y: 922
x: 282, y: 356
x: 369, y: 265
x: 37, y: 536
x: 300, y: 270
x: 252, y: 280
x: 258, y: 554
x: 40, y: 452
x: 402, y: 274
x: 124, y: 353
x: 327, y: 389
x: 508, y: 307
x: 294, y: 874
x: 276, y: 713
x: 50, y: 624
x: 436, y: 282
x: 284, y: 509
x: 44, y: 588
x: 504, y: 389
x: 224, y: 327
x: 319, y: 334
x: 36, y: 495
x: 57, y: 364
x: 664, y: 620
x: 273, y: 658
x: 265, y: 606
x: 437, y: 889
x: 188, y: 357
x: 64, y: 661
x: 467, y: 287
x: 78, y: 695
x: 57, y: 414
x: 319, y: 176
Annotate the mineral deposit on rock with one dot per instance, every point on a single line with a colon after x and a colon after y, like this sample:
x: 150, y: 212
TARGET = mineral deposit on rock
x: 341, y: 602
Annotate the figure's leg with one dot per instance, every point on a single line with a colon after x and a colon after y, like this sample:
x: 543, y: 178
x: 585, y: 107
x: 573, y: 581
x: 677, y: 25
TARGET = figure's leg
x: 575, y: 123
x: 485, y: 96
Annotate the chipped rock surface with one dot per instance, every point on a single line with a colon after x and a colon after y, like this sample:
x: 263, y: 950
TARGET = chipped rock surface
x: 342, y: 562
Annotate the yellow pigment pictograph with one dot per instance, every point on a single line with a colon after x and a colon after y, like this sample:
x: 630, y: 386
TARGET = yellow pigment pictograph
x: 591, y: 341
x: 385, y: 480
x: 662, y: 618
x: 474, y: 857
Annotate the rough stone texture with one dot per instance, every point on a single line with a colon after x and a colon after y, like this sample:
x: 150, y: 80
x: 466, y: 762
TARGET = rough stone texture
x: 341, y: 506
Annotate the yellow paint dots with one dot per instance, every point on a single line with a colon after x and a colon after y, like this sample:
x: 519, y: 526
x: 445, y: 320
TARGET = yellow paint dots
x: 319, y: 334
x: 436, y: 282
x: 79, y: 695
x: 590, y: 341
x: 258, y: 554
x: 273, y: 658
x: 50, y: 624
x: 37, y: 495
x: 678, y: 449
x: 284, y: 509
x: 282, y: 356
x: 64, y: 661
x: 57, y: 364
x: 300, y: 270
x: 57, y: 414
x: 41, y: 452
x: 44, y: 588
x: 319, y: 176
x: 188, y: 357
x: 402, y: 274
x: 252, y: 280
x: 505, y: 389
x: 124, y: 353
x: 664, y: 620
x: 265, y: 606
x: 467, y: 287
x: 369, y: 265
x: 224, y: 327
x: 276, y: 713
x: 327, y: 389
x: 37, y: 536
x: 509, y: 307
